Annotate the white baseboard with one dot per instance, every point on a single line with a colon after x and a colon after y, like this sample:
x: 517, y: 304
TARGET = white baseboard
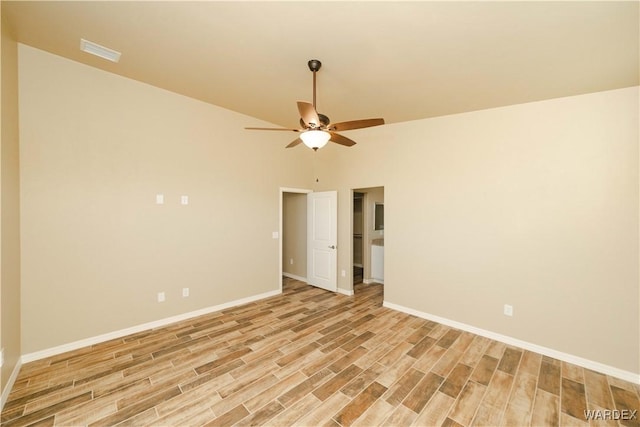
x: 569, y: 358
x: 347, y: 292
x: 370, y: 281
x: 294, y: 277
x: 12, y: 379
x: 30, y: 357
x: 304, y: 280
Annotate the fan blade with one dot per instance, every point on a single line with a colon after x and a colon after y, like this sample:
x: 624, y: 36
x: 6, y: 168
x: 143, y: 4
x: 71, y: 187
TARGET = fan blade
x: 356, y: 124
x: 342, y: 140
x: 294, y: 143
x: 308, y: 114
x: 294, y: 130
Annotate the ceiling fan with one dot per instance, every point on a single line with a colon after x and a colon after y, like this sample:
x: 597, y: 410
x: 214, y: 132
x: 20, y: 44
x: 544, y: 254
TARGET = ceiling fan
x: 317, y: 129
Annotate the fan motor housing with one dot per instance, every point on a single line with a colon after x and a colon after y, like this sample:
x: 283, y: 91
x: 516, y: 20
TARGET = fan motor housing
x: 324, y: 121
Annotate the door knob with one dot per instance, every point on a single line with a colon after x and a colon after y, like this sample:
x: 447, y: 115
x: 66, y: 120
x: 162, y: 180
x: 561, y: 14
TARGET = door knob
x: 332, y: 247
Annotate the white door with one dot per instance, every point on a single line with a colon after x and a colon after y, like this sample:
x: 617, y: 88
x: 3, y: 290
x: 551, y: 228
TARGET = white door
x: 322, y: 237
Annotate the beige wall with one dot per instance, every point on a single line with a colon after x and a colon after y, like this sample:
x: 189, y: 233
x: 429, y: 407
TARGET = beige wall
x: 10, y: 208
x: 294, y: 234
x: 533, y: 205
x: 96, y: 148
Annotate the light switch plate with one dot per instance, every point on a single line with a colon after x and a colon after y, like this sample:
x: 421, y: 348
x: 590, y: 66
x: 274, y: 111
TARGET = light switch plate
x: 508, y: 310
x: 159, y: 199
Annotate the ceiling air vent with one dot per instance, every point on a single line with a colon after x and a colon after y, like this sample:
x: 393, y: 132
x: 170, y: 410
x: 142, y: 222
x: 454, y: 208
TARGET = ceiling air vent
x: 101, y: 51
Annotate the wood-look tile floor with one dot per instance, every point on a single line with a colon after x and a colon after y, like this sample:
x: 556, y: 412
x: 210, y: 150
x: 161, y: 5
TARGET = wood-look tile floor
x: 312, y: 358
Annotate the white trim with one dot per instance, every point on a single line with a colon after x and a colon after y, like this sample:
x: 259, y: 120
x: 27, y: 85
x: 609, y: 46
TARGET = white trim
x: 12, y: 379
x: 370, y: 281
x: 294, y: 277
x: 347, y: 292
x: 576, y: 360
x: 30, y: 357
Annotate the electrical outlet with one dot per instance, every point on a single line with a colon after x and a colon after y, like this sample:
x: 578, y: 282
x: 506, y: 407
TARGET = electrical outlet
x: 1, y: 357
x: 343, y: 273
x: 159, y: 199
x: 184, y: 200
x: 291, y: 261
x: 508, y: 310
x: 185, y: 292
x: 161, y: 297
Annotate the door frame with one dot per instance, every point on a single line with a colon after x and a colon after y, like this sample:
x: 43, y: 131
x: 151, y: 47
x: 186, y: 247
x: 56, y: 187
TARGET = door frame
x: 367, y: 229
x: 281, y: 226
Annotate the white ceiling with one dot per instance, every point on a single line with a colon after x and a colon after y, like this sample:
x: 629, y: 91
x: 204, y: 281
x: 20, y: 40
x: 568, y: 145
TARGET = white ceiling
x: 398, y: 60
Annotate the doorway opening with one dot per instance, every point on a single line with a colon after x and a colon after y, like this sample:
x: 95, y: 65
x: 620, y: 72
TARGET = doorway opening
x: 358, y: 243
x: 308, y: 237
x: 293, y: 235
x: 368, y: 236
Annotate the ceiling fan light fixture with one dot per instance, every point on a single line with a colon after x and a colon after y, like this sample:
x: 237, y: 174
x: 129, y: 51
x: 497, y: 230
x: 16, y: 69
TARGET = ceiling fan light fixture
x: 316, y: 129
x: 315, y: 138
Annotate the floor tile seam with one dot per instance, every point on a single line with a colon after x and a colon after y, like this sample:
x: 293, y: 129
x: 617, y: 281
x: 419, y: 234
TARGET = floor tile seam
x: 96, y: 376
x: 465, y: 382
x: 285, y: 390
x: 56, y: 397
x: 531, y: 405
x: 46, y: 412
x: 267, y: 342
x: 587, y: 392
x: 417, y: 359
x: 424, y: 374
x: 297, y: 346
x: 153, y: 394
x: 560, y: 396
x: 561, y: 409
x: 477, y: 408
x: 503, y: 407
x: 427, y: 402
x: 515, y: 374
x: 11, y: 401
x: 44, y: 379
x: 323, y: 381
x: 613, y: 400
x: 258, y: 409
x: 258, y: 356
x: 253, y: 382
x: 535, y: 398
x: 617, y: 406
x: 333, y: 417
x: 270, y: 368
x: 79, y: 364
x: 366, y: 380
x: 509, y: 394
